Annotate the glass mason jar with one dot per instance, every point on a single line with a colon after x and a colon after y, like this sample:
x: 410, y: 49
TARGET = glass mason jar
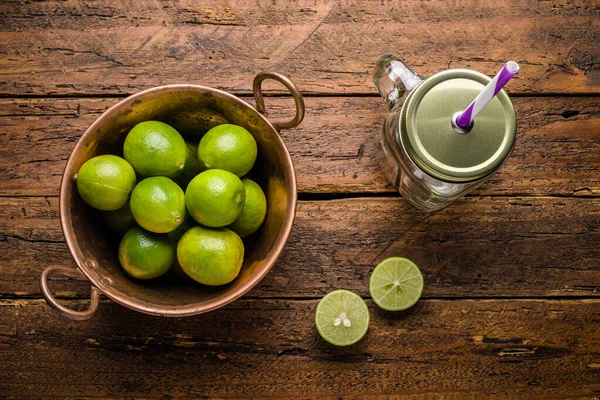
x: 423, y: 153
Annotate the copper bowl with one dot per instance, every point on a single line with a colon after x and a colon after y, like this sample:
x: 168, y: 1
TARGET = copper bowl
x: 185, y: 107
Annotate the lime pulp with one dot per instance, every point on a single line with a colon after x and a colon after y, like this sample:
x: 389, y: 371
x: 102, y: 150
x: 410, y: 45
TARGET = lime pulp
x: 342, y: 318
x: 396, y: 284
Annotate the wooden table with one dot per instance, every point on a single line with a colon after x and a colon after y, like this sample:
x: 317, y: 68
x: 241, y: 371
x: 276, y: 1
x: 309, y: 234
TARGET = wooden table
x: 511, y: 306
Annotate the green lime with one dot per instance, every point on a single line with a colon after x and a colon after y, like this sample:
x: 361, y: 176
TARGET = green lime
x: 215, y: 198
x: 145, y: 255
x: 212, y: 256
x: 396, y: 284
x: 254, y: 211
x: 155, y: 149
x: 121, y: 220
x: 158, y: 204
x: 105, y: 182
x: 342, y: 318
x: 229, y: 147
x: 192, y: 166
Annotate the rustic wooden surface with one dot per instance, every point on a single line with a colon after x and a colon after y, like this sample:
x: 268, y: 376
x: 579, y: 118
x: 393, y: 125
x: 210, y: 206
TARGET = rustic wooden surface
x: 556, y: 153
x: 57, y: 48
x: 270, y: 348
x: 483, y: 246
x: 511, y: 306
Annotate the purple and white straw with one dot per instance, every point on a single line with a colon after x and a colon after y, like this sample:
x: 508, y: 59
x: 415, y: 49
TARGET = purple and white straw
x: 508, y: 71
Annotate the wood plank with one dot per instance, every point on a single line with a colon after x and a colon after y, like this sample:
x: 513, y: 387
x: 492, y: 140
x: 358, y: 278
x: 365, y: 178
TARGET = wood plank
x: 478, y: 247
x: 270, y: 349
x: 17, y: 15
x: 557, y: 150
x: 87, y: 47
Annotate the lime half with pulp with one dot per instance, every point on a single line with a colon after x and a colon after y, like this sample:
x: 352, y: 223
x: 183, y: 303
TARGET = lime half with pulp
x: 396, y: 284
x: 342, y: 318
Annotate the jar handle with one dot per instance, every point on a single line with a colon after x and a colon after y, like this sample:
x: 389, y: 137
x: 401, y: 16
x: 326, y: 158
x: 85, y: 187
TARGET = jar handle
x: 393, y: 79
x: 296, y: 95
x: 62, y: 310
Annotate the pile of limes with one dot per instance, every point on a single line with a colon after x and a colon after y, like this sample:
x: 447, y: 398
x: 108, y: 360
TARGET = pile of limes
x: 178, y: 204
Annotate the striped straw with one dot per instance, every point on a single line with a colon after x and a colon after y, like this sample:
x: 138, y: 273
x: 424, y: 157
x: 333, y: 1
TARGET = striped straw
x: 487, y: 94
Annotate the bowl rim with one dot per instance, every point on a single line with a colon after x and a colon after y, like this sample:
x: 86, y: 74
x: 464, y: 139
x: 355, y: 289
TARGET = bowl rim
x: 191, y: 309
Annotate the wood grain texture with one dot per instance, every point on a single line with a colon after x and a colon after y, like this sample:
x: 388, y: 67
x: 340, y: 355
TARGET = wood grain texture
x: 557, y: 150
x: 269, y: 348
x: 477, y: 247
x: 66, y: 48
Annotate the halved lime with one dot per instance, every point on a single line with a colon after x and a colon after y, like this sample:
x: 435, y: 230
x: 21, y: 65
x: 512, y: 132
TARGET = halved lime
x: 342, y: 318
x: 396, y: 284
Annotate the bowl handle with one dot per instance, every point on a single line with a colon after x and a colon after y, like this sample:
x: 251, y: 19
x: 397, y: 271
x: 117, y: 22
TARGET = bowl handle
x: 62, y: 310
x: 260, y: 102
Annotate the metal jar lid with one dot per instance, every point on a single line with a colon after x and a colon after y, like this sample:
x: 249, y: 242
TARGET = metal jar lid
x: 437, y: 147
